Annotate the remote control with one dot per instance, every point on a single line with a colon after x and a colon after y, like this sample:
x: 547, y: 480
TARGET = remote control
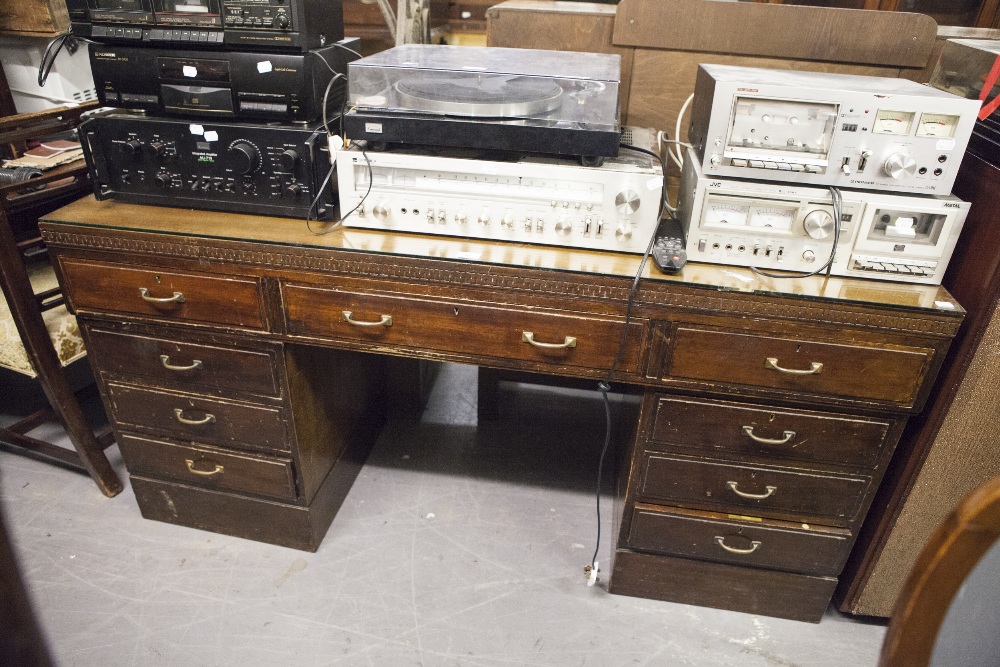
x: 668, y: 248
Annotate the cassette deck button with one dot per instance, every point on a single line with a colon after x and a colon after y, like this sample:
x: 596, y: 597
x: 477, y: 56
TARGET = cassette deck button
x: 797, y: 167
x: 783, y: 166
x: 757, y: 164
x: 739, y: 162
x: 770, y: 165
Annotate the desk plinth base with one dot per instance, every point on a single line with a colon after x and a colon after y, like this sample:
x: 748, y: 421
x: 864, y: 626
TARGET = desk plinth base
x: 797, y: 597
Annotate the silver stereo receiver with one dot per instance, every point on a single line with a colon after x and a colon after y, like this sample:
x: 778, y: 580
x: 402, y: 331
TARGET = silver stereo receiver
x: 829, y: 129
x: 791, y: 227
x: 528, y: 200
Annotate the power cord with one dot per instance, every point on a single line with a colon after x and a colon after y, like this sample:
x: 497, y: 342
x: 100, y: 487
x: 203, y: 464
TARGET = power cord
x: 337, y: 223
x: 67, y: 39
x: 604, y: 386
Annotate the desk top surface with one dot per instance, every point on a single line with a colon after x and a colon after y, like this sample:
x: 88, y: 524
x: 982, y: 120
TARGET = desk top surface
x: 209, y: 225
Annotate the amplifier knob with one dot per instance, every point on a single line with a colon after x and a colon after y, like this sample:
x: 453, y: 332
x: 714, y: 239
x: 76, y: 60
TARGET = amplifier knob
x: 818, y: 224
x: 381, y: 210
x: 461, y: 217
x: 133, y: 148
x: 809, y: 256
x: 280, y: 22
x: 484, y: 216
x: 624, y: 232
x: 627, y: 202
x: 155, y: 149
x: 563, y: 226
x: 289, y: 159
x: 292, y: 190
x: 899, y: 166
x: 162, y: 181
x: 244, y: 157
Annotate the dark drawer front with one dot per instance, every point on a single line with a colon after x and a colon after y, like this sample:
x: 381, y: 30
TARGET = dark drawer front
x: 762, y: 431
x: 210, y: 467
x: 185, y: 364
x: 199, y: 418
x: 176, y: 296
x: 710, y: 536
x: 778, y: 493
x: 436, y: 325
x: 824, y: 368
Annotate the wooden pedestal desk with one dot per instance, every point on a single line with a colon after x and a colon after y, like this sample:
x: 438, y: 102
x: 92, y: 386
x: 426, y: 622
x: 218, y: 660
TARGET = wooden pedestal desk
x: 229, y: 350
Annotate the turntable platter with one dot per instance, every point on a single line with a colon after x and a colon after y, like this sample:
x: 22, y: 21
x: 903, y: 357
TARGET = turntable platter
x: 475, y: 95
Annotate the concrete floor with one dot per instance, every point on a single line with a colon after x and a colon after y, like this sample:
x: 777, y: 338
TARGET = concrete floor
x: 458, y: 545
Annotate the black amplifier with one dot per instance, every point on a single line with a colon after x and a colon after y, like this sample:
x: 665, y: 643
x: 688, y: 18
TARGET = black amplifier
x: 281, y: 87
x: 233, y: 25
x: 242, y: 168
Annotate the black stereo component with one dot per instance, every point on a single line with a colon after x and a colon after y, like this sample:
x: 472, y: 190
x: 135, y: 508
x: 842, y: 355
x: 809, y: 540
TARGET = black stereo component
x: 281, y: 87
x: 237, y: 167
x: 235, y: 25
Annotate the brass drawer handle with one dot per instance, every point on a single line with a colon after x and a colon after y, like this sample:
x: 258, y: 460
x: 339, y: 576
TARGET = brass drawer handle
x: 814, y: 368
x: 529, y: 337
x: 209, y: 418
x: 721, y: 541
x: 218, y: 470
x: 385, y: 321
x: 748, y: 431
x: 165, y: 360
x: 769, y: 490
x: 178, y: 297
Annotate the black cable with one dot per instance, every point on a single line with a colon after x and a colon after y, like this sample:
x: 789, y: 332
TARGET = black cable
x: 838, y: 202
x: 49, y: 56
x: 605, y: 386
x: 347, y: 48
x: 338, y: 223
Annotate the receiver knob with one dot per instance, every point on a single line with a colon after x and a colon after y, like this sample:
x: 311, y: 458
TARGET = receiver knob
x: 155, y: 148
x: 132, y: 148
x: 563, y: 226
x: 162, y: 181
x: 289, y: 159
x: 280, y: 22
x: 381, y: 210
x: 899, y: 166
x: 818, y: 224
x: 244, y: 157
x: 623, y: 232
x: 809, y: 256
x: 292, y: 190
x: 484, y: 216
x: 627, y: 202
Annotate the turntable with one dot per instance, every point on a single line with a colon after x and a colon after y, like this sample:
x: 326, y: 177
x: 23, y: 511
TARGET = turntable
x: 517, y: 100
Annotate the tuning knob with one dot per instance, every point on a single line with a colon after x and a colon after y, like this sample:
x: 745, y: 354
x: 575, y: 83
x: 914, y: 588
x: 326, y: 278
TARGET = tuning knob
x: 162, y: 181
x: 155, y: 149
x: 627, y: 202
x: 381, y: 210
x: 623, y: 232
x: 899, y: 166
x: 243, y: 157
x: 563, y: 226
x: 484, y: 216
x: 288, y: 159
x: 292, y: 190
x: 280, y: 22
x: 818, y: 224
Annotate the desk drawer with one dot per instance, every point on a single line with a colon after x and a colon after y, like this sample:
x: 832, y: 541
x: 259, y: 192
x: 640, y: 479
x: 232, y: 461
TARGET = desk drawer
x: 457, y: 327
x: 181, y: 364
x: 210, y: 467
x: 757, y: 490
x: 176, y: 296
x: 840, y: 369
x: 192, y: 417
x: 731, y: 539
x: 762, y: 431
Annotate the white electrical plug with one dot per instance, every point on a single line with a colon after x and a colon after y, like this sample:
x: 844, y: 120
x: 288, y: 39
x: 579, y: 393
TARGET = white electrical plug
x: 591, y: 573
x: 334, y: 142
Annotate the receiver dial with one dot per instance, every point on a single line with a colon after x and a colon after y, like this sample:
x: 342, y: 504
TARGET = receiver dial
x: 244, y: 157
x: 627, y: 202
x: 899, y: 166
x: 818, y: 224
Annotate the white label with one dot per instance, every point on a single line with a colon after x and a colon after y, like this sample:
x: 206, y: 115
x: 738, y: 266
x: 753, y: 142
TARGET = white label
x: 946, y: 305
x: 189, y: 71
x: 946, y: 144
x: 196, y: 129
x: 468, y: 255
x: 264, y: 66
x: 374, y: 128
x: 655, y: 183
x: 211, y: 135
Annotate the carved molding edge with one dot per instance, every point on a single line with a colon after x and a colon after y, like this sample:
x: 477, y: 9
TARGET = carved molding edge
x: 341, y: 263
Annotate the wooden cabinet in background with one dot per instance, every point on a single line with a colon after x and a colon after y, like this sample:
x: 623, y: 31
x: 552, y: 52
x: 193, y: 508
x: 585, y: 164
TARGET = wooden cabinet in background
x: 41, y: 18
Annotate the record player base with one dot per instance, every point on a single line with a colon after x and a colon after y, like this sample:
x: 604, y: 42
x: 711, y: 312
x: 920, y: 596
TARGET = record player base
x: 796, y: 597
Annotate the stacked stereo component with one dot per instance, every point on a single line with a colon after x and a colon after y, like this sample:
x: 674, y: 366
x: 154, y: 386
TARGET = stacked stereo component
x: 771, y: 150
x: 493, y: 143
x: 221, y: 104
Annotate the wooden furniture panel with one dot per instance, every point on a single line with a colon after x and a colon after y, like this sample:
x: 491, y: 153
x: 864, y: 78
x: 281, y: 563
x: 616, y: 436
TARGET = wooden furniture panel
x: 176, y: 296
x: 793, y: 547
x: 207, y: 366
x: 889, y: 374
x: 760, y: 430
x: 40, y: 18
x: 758, y: 490
x: 459, y: 327
x: 190, y: 416
x: 211, y: 467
